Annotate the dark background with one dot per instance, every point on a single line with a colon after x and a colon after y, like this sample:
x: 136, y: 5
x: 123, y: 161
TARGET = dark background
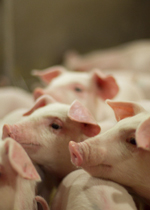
x: 37, y: 33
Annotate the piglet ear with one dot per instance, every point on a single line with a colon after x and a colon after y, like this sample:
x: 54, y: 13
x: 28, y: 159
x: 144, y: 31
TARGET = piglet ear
x: 48, y: 74
x: 40, y: 102
x: 38, y: 92
x: 143, y: 135
x: 81, y: 114
x: 20, y: 161
x: 124, y: 109
x: 105, y: 85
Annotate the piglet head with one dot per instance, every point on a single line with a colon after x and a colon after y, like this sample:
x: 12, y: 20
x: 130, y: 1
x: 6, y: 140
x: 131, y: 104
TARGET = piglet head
x: 109, y: 155
x: 47, y: 130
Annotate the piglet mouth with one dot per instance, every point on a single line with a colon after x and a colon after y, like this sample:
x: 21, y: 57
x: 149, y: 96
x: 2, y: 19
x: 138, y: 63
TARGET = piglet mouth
x: 30, y: 144
x: 30, y: 147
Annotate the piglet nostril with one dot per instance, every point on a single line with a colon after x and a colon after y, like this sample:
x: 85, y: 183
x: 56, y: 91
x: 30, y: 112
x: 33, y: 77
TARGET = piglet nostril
x: 76, y: 157
x: 6, y: 131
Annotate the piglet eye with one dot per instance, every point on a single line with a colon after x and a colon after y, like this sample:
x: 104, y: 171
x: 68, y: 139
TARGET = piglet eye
x: 132, y: 140
x: 56, y: 126
x: 77, y: 89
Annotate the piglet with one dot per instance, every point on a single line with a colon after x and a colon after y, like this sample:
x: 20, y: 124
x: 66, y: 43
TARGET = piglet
x: 79, y: 191
x: 46, y: 131
x: 133, y: 55
x: 12, y: 98
x: 18, y: 178
x: 121, y: 154
x: 90, y: 88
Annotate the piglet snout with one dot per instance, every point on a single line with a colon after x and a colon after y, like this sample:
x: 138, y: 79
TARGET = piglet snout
x: 6, y: 131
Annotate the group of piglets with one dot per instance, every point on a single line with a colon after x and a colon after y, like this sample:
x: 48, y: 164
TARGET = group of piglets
x: 81, y: 141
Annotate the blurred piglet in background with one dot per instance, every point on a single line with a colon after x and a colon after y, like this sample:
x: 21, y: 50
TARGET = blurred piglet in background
x: 90, y: 88
x: 133, y: 55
